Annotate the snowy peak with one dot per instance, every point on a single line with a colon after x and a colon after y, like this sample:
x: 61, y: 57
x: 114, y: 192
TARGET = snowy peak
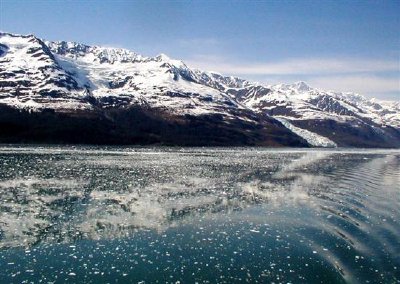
x: 30, y: 74
x: 99, y: 54
x: 108, y: 55
x: 68, y: 48
x: 25, y: 50
x: 162, y: 57
x: 292, y: 89
x: 301, y: 86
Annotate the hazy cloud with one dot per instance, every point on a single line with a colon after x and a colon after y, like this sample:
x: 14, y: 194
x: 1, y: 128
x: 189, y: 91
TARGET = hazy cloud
x: 364, y: 84
x: 299, y: 66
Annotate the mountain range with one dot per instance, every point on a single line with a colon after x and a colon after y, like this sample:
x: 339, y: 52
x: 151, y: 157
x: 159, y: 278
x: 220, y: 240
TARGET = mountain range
x: 67, y: 92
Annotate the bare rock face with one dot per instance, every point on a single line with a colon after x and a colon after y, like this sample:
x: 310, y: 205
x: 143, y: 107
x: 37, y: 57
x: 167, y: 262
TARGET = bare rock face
x: 65, y: 92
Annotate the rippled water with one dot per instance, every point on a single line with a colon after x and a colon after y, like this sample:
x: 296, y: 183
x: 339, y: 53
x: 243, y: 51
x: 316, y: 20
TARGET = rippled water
x: 198, y: 215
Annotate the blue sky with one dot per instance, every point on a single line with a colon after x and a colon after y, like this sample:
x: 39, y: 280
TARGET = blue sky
x: 340, y: 45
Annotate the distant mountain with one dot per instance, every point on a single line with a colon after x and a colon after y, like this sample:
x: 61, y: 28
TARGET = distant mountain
x: 65, y: 92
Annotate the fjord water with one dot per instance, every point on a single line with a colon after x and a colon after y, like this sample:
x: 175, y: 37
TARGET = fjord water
x: 206, y: 215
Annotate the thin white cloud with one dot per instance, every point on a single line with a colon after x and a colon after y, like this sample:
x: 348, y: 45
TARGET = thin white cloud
x: 301, y: 66
x: 364, y: 84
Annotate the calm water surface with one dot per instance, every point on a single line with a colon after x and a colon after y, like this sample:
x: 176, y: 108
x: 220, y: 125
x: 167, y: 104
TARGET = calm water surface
x: 206, y: 215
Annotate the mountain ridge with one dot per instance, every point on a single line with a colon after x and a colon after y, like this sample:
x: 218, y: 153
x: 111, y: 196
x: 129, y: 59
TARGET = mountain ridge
x: 77, y: 79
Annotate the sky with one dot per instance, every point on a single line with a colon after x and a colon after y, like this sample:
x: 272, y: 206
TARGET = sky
x: 335, y: 45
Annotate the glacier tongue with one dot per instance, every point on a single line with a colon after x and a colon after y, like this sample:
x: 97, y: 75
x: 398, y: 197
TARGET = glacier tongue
x: 313, y: 138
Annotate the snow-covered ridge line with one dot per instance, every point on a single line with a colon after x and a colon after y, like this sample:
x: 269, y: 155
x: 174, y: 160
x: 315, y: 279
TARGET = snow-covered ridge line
x: 102, y: 73
x: 62, y: 76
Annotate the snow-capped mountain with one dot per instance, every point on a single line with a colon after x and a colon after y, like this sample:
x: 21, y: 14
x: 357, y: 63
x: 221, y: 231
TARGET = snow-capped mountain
x: 340, y: 117
x: 52, y: 91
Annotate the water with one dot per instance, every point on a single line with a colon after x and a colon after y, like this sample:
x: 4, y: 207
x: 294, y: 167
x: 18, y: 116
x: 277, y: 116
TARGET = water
x: 206, y: 215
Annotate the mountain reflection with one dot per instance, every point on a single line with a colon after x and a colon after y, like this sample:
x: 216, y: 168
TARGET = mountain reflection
x: 62, y: 197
